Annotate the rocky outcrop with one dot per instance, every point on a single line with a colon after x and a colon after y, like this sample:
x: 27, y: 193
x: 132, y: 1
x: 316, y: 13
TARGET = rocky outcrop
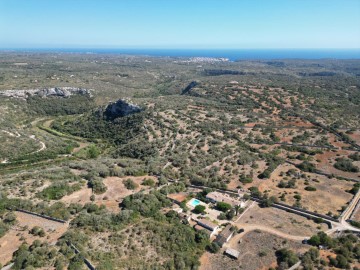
x: 61, y: 91
x: 120, y: 108
x: 45, y: 92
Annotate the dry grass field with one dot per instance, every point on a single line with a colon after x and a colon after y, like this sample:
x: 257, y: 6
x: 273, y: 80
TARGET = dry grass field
x: 250, y: 246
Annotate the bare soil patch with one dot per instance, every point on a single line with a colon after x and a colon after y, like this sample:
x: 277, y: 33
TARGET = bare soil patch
x: 250, y: 246
x: 116, y: 190
x: 82, y: 196
x: 325, y: 163
x: 355, y: 136
x: 280, y: 220
x: 322, y: 200
x: 11, y: 241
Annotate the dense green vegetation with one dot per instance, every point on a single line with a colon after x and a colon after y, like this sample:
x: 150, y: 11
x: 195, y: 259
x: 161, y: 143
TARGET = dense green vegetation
x: 75, y: 104
x: 346, y: 165
x: 346, y: 248
x: 58, y: 190
x: 286, y: 258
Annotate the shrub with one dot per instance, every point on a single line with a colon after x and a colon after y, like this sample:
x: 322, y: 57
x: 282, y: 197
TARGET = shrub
x: 130, y: 184
x: 307, y: 167
x: 37, y: 231
x: 310, y: 188
x: 345, y: 165
x: 148, y: 182
x: 213, y: 247
x: 97, y: 186
x: 286, y: 256
x: 10, y: 218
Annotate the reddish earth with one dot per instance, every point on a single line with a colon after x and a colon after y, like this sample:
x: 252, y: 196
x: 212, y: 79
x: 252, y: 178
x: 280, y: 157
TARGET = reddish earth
x: 327, y: 159
x: 298, y: 124
x: 179, y: 197
x: 355, y: 136
x: 333, y: 140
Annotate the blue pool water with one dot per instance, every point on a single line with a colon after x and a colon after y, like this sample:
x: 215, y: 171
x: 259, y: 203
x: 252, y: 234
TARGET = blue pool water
x: 195, y: 202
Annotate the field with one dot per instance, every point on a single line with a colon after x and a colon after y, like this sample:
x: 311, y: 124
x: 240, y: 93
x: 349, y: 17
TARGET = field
x: 279, y: 220
x: 250, y: 246
x: 20, y: 234
x: 101, y: 140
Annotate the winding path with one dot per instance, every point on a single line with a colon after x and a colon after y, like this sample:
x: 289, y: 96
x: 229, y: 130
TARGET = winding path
x: 43, y: 145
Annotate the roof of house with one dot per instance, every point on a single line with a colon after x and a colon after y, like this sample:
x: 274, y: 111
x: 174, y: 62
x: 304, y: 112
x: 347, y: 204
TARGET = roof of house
x: 207, y: 223
x: 232, y: 252
x: 227, y: 231
x: 222, y: 237
x: 220, y: 197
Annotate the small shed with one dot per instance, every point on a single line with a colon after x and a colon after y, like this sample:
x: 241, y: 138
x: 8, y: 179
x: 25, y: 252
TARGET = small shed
x: 232, y: 253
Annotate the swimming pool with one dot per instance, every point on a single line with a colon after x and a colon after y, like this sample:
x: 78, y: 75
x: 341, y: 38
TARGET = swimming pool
x: 194, y: 202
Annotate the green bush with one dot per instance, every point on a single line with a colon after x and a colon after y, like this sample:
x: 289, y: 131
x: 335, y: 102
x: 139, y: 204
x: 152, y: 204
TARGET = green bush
x: 148, y: 182
x: 222, y: 206
x: 37, y: 231
x: 199, y: 209
x: 130, y: 184
x: 345, y: 165
x: 307, y: 166
x: 58, y: 190
x: 310, y: 188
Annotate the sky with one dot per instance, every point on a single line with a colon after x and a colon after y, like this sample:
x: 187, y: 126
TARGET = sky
x: 180, y: 24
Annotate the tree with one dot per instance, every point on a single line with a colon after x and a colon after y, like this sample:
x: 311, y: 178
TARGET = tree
x: 213, y: 247
x: 93, y: 152
x: 230, y: 214
x: 321, y: 238
x: 268, y: 202
x: 10, y: 218
x: 286, y: 257
x: 238, y: 209
x: 342, y: 262
x: 199, y: 209
x: 222, y: 206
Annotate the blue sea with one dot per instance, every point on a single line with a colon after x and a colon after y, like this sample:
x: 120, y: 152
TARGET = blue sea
x: 239, y: 54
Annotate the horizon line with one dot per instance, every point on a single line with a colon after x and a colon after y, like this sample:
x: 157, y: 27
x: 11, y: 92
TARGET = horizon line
x: 166, y: 48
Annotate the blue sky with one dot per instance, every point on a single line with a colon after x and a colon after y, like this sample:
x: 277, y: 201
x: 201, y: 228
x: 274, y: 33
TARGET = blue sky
x: 180, y: 23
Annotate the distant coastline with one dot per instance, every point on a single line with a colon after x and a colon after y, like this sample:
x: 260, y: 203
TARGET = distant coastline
x: 231, y: 54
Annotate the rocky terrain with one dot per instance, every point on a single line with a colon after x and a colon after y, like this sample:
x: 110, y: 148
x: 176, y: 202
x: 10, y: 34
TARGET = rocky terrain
x: 45, y: 92
x: 121, y: 108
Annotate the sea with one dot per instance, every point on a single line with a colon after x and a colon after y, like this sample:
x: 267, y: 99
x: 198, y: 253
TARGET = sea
x: 231, y: 54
